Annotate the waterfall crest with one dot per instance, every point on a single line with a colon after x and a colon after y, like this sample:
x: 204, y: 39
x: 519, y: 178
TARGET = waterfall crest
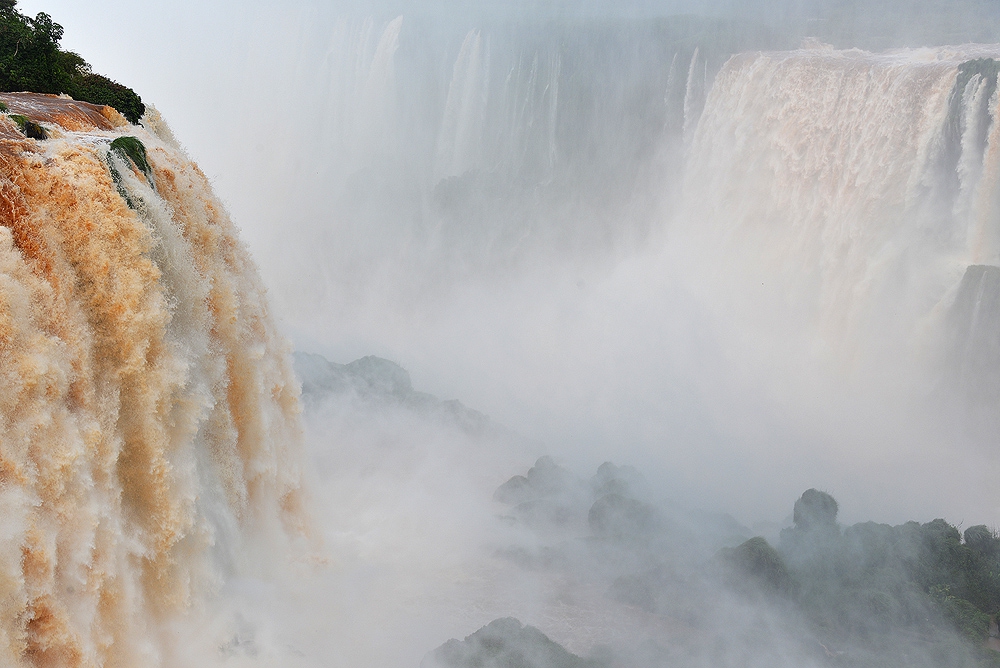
x: 148, y: 412
x: 857, y: 186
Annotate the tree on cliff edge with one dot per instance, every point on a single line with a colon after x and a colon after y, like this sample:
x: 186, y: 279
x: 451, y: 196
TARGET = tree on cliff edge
x: 31, y: 60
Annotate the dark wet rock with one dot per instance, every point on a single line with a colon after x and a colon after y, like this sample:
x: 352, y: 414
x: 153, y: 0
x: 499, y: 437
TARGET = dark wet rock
x: 515, y: 491
x: 378, y: 381
x: 623, y: 480
x: 617, y: 516
x: 755, y: 565
x: 505, y: 643
x: 541, y: 513
x: 815, y: 509
x: 544, y: 479
x: 30, y: 128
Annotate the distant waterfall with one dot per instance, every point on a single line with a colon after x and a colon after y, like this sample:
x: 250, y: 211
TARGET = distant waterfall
x: 859, y: 186
x: 465, y: 109
x: 694, y: 92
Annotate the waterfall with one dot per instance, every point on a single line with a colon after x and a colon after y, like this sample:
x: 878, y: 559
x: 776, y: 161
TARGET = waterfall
x: 856, y: 188
x: 148, y: 411
x: 462, y: 124
x: 376, y: 123
x: 692, y: 97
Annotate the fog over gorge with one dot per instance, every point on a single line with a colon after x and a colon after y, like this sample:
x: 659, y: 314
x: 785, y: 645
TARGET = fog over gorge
x: 654, y: 334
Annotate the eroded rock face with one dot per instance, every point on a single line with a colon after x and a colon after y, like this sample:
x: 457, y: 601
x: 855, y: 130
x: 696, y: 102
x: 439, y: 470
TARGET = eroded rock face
x: 67, y: 113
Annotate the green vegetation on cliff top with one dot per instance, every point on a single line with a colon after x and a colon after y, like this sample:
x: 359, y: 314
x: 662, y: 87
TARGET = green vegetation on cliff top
x: 31, y: 60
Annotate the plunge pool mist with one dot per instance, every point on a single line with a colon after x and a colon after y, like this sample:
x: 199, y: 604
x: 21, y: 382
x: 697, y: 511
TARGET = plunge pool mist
x: 745, y: 290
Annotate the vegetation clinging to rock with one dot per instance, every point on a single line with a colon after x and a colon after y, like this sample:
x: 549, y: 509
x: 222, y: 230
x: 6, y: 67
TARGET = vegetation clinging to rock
x: 31, y: 129
x: 129, y: 149
x: 134, y: 150
x: 857, y: 584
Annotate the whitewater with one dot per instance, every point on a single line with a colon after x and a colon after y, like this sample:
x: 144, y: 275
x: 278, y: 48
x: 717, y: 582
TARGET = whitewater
x: 149, y: 415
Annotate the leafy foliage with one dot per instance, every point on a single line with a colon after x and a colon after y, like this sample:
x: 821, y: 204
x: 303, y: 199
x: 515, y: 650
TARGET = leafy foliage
x: 969, y: 620
x: 31, y: 60
x: 868, y: 581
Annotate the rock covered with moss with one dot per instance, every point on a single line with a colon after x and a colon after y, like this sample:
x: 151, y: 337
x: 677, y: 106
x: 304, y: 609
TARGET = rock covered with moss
x: 861, y: 584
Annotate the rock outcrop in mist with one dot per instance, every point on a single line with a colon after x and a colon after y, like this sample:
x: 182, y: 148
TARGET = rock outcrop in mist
x: 378, y: 382
x: 503, y: 643
x: 824, y: 595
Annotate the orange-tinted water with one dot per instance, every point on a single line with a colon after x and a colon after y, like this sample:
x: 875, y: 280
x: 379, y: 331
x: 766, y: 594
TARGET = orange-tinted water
x: 148, y: 414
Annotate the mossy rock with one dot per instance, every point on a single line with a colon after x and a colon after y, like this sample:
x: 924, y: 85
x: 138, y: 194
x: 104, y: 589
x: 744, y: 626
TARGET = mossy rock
x: 757, y: 560
x: 815, y: 509
x: 619, y: 517
x: 31, y: 129
x: 130, y: 148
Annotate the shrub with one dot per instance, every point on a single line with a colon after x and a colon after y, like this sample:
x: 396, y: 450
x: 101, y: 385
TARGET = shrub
x: 982, y: 539
x: 31, y: 60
